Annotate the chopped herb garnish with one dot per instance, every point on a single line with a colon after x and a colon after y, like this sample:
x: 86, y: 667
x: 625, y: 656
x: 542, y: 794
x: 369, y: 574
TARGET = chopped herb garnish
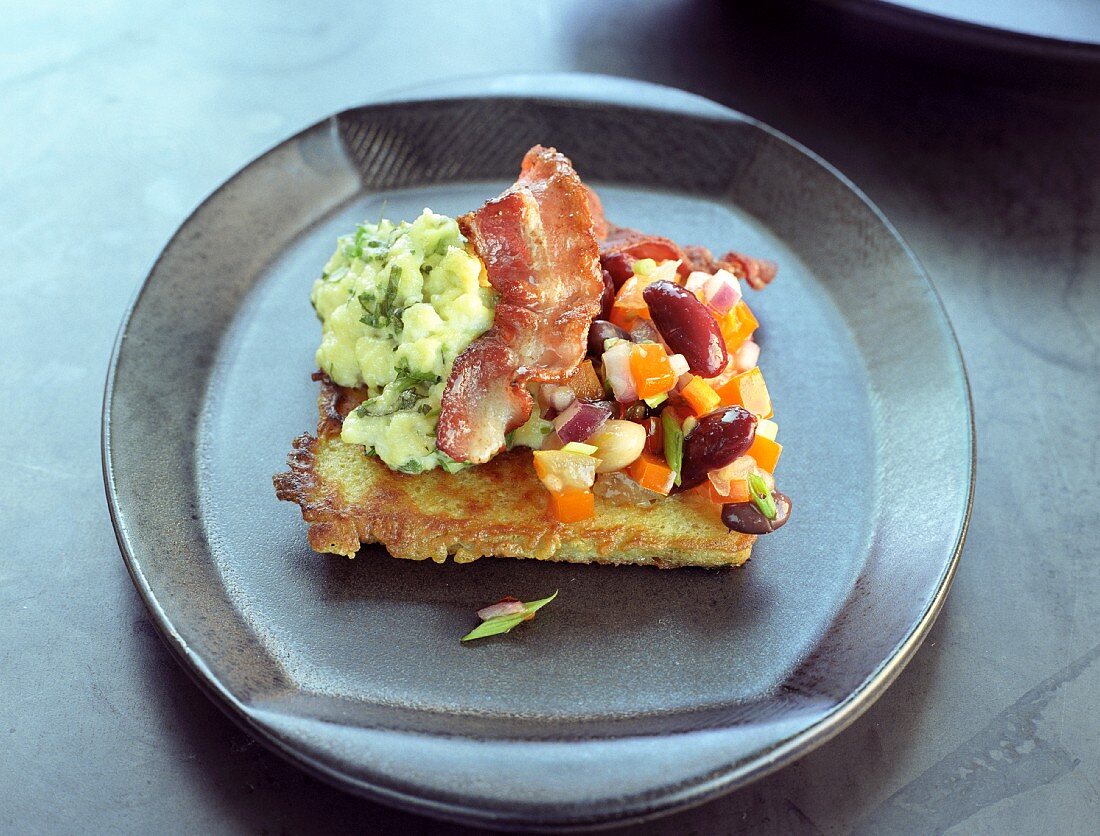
x: 761, y: 496
x: 383, y: 313
x: 449, y: 464
x: 674, y: 443
x: 395, y: 398
x: 411, y: 466
x: 418, y: 377
x: 391, y: 291
x: 503, y: 623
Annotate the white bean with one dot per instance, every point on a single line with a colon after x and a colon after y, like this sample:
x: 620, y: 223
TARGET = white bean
x: 618, y: 443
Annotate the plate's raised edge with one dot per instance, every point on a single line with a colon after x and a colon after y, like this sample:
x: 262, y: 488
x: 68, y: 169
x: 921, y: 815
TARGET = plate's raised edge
x: 657, y: 802
x: 969, y: 31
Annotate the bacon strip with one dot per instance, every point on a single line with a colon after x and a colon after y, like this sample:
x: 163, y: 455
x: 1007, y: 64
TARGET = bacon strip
x: 541, y: 255
x: 621, y: 246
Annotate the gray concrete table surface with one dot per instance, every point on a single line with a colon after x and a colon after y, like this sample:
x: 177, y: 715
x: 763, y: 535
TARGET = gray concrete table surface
x: 117, y: 118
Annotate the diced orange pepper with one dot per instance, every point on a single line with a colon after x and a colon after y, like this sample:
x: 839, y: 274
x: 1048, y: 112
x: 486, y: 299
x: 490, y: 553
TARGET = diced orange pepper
x: 571, y: 506
x: 766, y: 452
x: 701, y: 396
x: 748, y: 390
x: 651, y: 370
x: 737, y: 325
x: 624, y: 318
x: 629, y: 304
x: 651, y: 472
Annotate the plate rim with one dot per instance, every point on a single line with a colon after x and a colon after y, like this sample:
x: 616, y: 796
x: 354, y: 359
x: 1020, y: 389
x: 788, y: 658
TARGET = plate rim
x: 626, y: 809
x: 970, y: 32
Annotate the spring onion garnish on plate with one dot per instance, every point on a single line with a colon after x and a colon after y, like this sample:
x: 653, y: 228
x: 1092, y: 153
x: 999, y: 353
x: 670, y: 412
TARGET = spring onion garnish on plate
x: 502, y: 616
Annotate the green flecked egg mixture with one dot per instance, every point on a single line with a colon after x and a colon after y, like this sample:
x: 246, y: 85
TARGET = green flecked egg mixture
x: 398, y: 303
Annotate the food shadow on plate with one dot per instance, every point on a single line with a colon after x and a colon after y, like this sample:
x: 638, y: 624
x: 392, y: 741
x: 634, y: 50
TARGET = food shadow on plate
x: 593, y: 594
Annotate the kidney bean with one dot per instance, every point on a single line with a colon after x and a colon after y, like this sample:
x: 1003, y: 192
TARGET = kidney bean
x: 746, y: 518
x: 620, y: 266
x: 687, y: 327
x: 601, y: 330
x: 719, y: 438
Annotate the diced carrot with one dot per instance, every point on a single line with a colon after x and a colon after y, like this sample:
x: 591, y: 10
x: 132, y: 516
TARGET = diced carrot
x: 766, y: 452
x: 748, y: 390
x: 739, y: 492
x: 652, y: 373
x: 572, y: 505
x: 651, y: 472
x: 737, y: 326
x: 701, y: 396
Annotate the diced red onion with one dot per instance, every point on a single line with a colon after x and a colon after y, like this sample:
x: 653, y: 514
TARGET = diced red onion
x: 618, y: 487
x: 679, y: 364
x: 746, y: 356
x: 696, y: 281
x: 722, y: 291
x: 556, y: 397
x: 581, y: 419
x: 506, y: 607
x: 616, y: 371
x: 738, y: 469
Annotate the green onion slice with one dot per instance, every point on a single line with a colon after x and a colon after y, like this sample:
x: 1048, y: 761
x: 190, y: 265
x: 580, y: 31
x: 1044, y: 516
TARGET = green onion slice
x: 674, y: 444
x: 503, y: 623
x: 761, y: 496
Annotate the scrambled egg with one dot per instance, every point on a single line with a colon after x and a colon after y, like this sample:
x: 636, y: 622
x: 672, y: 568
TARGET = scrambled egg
x: 397, y: 304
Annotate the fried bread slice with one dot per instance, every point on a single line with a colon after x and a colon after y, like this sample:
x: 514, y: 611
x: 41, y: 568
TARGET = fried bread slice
x: 493, y: 509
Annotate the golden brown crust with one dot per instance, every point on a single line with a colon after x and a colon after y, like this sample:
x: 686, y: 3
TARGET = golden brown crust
x: 498, y: 509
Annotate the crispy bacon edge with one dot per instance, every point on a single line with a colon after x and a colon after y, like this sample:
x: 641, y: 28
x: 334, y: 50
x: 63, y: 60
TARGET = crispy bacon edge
x: 632, y: 245
x: 541, y: 255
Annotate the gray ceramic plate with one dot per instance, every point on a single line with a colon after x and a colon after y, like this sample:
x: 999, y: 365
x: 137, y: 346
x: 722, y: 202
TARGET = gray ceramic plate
x: 638, y: 690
